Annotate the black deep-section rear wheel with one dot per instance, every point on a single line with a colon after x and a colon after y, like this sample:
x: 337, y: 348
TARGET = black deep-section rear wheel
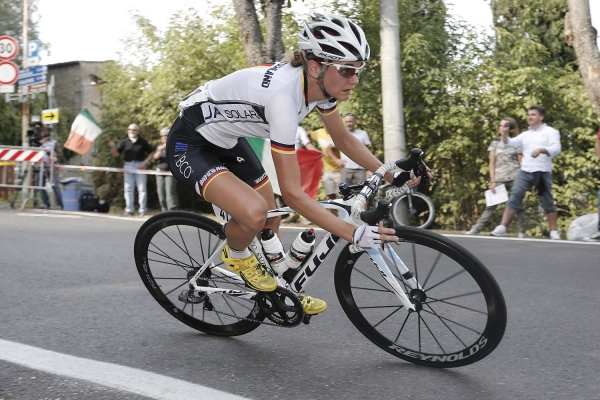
x: 169, y: 249
x: 463, y: 314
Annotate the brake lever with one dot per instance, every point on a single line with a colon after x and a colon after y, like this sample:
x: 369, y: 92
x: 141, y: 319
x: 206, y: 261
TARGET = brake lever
x: 421, y: 170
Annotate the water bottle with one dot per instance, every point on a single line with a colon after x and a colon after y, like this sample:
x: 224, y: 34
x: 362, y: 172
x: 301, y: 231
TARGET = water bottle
x: 273, y: 250
x: 301, y: 248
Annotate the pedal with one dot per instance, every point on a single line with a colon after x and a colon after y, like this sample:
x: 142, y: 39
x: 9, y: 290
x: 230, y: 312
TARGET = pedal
x: 306, y: 319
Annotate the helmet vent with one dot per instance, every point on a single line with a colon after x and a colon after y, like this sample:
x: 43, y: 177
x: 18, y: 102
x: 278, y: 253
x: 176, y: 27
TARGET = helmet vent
x: 337, y: 22
x: 331, y: 50
x: 355, y: 30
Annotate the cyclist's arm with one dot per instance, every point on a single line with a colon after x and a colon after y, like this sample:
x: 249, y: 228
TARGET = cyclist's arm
x: 288, y: 175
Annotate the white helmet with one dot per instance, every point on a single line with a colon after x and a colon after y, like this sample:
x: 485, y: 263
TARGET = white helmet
x: 334, y: 37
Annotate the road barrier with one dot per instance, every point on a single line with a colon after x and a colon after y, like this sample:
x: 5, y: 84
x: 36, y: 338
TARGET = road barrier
x: 27, y: 158
x: 18, y: 172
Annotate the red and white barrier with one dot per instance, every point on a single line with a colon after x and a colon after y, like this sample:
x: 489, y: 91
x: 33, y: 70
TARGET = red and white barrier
x: 16, y: 154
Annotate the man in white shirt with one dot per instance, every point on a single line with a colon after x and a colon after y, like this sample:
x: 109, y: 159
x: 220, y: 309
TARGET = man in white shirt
x: 352, y: 173
x: 540, y: 145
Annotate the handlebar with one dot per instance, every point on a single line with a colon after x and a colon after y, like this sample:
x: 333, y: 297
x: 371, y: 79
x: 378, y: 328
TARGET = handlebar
x: 371, y: 187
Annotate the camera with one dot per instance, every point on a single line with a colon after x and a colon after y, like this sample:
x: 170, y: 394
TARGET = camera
x: 34, y: 134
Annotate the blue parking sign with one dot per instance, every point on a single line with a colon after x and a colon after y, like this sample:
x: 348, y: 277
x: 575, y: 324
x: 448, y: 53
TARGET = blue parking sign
x: 33, y: 48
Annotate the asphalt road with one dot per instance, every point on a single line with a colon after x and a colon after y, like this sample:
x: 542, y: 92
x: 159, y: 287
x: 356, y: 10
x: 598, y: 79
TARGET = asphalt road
x: 69, y: 285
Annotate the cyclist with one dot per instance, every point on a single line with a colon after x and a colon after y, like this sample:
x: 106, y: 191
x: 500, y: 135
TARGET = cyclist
x: 207, y: 150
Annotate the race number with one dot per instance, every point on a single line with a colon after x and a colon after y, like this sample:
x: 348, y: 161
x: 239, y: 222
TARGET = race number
x: 221, y: 214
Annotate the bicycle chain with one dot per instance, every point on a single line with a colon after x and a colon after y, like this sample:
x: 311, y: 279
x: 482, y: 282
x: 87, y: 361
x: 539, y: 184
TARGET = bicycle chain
x: 237, y: 316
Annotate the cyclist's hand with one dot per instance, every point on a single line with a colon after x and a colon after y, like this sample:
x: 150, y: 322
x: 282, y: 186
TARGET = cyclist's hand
x: 371, y: 237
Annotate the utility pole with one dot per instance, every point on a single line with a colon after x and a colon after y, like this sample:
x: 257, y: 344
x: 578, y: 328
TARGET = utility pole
x: 394, y: 143
x: 25, y: 117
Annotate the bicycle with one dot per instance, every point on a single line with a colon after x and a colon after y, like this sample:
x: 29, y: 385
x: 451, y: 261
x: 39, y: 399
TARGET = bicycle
x: 412, y: 209
x: 440, y: 307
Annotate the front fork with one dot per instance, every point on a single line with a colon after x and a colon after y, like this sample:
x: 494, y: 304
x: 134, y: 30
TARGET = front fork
x: 386, y: 273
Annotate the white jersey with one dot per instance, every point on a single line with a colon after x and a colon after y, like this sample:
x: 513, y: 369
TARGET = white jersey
x: 266, y: 101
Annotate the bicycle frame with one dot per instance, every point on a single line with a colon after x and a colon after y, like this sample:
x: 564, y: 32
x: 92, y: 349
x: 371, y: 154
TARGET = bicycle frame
x: 310, y: 266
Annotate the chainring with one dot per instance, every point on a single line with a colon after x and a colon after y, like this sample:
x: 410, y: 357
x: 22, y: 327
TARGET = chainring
x: 281, y: 306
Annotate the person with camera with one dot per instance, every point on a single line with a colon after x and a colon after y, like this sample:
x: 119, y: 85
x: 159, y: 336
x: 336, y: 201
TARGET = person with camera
x: 41, y: 137
x: 138, y: 153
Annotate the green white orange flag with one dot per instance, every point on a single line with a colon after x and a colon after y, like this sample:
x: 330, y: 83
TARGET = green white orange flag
x: 83, y: 133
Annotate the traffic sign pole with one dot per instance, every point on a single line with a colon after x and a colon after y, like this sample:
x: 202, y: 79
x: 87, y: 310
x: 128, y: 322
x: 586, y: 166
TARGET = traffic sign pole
x: 25, y: 115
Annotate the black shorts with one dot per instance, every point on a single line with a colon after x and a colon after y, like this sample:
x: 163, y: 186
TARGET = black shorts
x: 195, y: 162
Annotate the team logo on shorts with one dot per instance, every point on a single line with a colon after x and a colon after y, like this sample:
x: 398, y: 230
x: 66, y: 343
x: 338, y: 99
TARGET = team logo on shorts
x: 179, y: 147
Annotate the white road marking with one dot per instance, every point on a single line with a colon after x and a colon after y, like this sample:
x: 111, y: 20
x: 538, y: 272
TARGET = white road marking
x: 114, y: 376
x: 48, y: 215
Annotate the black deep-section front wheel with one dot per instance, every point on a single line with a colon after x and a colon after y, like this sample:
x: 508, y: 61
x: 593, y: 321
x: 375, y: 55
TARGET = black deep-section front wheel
x: 462, y: 314
x: 169, y: 249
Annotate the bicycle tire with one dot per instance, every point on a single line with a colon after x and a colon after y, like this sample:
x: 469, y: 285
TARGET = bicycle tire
x: 463, y: 317
x: 421, y: 215
x: 169, y: 248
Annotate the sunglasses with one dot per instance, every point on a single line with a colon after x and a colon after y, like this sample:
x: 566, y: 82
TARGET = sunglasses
x: 346, y: 71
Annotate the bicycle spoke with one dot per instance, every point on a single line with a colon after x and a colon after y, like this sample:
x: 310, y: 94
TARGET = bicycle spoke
x: 201, y: 246
x: 402, y: 327
x: 393, y: 312
x: 449, y: 320
x: 414, y: 251
x: 448, y: 327
x: 163, y: 254
x: 379, y: 306
x: 176, y: 263
x: 447, y: 279
x: 458, y: 305
x: 435, y: 263
x: 431, y: 333
x: 174, y: 289
x: 183, y: 242
x: 185, y: 251
x: 376, y: 290
x: 460, y: 295
x: 368, y: 277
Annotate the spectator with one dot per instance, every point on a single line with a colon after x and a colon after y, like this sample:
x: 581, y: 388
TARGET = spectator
x: 540, y: 145
x: 504, y: 167
x: 302, y: 140
x: 332, y: 164
x: 596, y: 236
x: 137, y: 155
x: 48, y: 173
x: 165, y: 184
x: 353, y: 173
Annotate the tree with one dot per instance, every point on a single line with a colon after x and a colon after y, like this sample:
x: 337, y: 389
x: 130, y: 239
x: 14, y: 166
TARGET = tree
x: 541, y: 19
x: 258, y: 50
x: 581, y: 35
x: 11, y: 24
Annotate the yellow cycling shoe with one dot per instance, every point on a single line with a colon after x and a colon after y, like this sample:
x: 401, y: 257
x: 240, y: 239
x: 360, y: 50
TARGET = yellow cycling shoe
x: 312, y: 305
x: 251, y: 271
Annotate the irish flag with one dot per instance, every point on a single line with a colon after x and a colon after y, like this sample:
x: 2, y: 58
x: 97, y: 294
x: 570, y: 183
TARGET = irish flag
x: 309, y: 161
x: 83, y: 133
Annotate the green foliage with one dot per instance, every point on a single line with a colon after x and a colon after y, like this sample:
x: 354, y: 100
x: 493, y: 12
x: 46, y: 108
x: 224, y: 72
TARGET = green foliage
x: 11, y: 24
x: 539, y: 19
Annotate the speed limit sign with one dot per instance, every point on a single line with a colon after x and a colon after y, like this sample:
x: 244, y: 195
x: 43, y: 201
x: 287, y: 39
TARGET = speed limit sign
x: 8, y: 47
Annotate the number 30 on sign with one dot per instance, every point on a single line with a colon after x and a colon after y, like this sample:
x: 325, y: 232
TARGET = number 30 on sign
x: 8, y: 47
